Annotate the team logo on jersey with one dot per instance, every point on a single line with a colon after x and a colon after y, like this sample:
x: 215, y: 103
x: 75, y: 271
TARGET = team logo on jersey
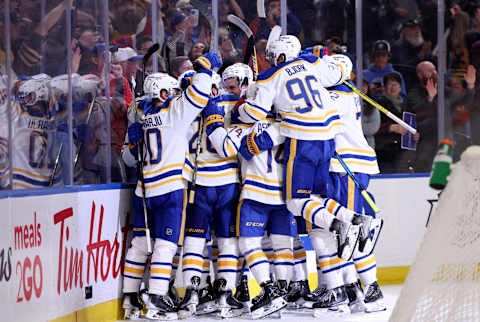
x: 254, y: 224
x: 169, y: 231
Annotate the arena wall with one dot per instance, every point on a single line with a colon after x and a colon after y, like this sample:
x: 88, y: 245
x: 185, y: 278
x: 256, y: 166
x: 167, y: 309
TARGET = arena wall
x: 61, y: 248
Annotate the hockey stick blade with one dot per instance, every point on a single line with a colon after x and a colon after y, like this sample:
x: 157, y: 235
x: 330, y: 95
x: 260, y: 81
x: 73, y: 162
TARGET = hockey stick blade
x: 240, y: 24
x: 275, y: 33
x: 150, y: 52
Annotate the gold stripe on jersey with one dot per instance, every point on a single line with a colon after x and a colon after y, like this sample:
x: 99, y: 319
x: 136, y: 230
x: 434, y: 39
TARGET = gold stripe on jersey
x: 290, y: 162
x: 351, y: 194
x: 237, y: 223
x: 31, y: 174
x: 251, y: 176
x: 176, y: 165
x: 271, y: 194
x: 163, y: 182
x: 196, y: 97
x: 184, y: 216
x: 311, y: 118
x: 370, y: 152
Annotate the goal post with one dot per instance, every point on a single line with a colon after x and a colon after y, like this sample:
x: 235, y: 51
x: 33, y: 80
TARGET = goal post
x: 444, y: 281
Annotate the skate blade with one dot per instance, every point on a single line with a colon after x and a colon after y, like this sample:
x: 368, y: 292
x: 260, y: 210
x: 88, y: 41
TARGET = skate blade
x: 132, y: 314
x: 187, y: 312
x: 156, y: 315
x: 276, y: 305
x: 376, y: 306
x: 357, y: 307
x: 226, y: 312
x: 206, y: 308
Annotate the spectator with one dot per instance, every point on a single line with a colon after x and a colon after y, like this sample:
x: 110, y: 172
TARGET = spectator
x: 180, y: 65
x: 370, y: 118
x: 390, y: 156
x: 226, y: 47
x: 422, y: 100
x: 410, y: 49
x: 128, y: 59
x: 457, y: 46
x: 405, y: 10
x: 381, y: 55
x: 198, y: 50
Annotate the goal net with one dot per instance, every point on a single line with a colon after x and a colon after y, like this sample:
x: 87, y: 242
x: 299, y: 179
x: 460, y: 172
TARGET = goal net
x: 444, y: 281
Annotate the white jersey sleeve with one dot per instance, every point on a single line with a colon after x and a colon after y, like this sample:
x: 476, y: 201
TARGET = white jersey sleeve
x: 351, y: 144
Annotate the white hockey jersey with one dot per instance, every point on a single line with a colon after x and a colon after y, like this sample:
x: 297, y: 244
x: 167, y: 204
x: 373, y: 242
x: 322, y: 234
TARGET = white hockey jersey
x: 213, y: 169
x: 165, y: 137
x: 34, y: 150
x: 351, y: 144
x: 297, y: 91
x: 262, y: 176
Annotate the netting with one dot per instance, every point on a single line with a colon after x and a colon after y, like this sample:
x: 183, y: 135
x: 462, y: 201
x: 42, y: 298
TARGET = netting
x: 444, y: 281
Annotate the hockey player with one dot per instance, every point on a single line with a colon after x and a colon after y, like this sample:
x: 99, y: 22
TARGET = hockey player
x: 354, y: 150
x: 34, y: 135
x: 216, y: 199
x: 161, y: 129
x: 295, y: 86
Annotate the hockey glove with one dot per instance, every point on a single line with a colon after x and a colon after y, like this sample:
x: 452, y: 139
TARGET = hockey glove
x: 214, y: 116
x: 318, y: 51
x: 135, y: 135
x: 254, y: 144
x: 186, y: 80
x: 147, y: 106
x: 207, y: 62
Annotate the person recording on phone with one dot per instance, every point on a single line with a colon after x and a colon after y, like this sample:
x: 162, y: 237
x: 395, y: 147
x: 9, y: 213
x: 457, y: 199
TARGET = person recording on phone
x: 422, y: 100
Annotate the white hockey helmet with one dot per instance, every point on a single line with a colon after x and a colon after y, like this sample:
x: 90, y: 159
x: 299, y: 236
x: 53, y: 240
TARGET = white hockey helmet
x: 345, y: 63
x: 287, y: 45
x: 242, y: 72
x: 85, y: 88
x: 34, y: 90
x: 59, y: 85
x: 157, y: 83
x: 217, y: 86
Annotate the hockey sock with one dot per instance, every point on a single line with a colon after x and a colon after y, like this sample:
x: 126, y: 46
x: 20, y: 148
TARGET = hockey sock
x: 366, y: 267
x: 176, y: 260
x: 205, y: 268
x: 267, y: 248
x: 135, y: 262
x: 300, y: 255
x: 161, y: 266
x: 256, y: 259
x: 349, y: 273
x: 330, y: 264
x: 228, y: 260
x: 215, y: 257
x: 312, y: 210
x: 283, y: 260
x: 192, y: 262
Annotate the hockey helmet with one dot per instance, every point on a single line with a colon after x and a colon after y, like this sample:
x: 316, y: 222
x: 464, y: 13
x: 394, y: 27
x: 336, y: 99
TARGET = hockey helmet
x: 287, y: 45
x: 345, y: 63
x: 157, y: 83
x: 34, y: 90
x: 242, y: 72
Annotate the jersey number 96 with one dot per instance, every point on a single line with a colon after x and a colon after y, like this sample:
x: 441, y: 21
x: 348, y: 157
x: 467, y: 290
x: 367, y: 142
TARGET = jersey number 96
x: 304, y: 89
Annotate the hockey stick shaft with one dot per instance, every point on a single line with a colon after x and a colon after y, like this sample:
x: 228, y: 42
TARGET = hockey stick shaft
x: 90, y: 109
x: 57, y: 160
x: 191, y: 194
x: 382, y: 109
x: 364, y: 193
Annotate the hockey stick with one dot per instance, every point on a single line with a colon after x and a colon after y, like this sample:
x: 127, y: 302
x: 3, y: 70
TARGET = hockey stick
x: 90, y: 109
x: 250, y: 44
x: 364, y: 193
x: 382, y: 109
x: 140, y: 155
x: 191, y: 194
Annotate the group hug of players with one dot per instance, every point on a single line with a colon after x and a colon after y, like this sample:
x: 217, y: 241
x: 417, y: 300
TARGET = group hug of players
x: 267, y: 169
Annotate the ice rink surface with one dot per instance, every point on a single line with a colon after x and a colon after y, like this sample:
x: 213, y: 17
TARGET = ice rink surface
x: 390, y: 293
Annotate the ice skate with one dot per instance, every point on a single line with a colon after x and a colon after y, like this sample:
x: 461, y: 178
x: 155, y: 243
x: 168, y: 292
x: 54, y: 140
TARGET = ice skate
x: 132, y: 306
x: 282, y: 286
x: 268, y: 302
x: 347, y: 237
x: 206, y: 300
x: 335, y: 299
x: 242, y: 295
x: 172, y: 292
x: 161, y: 307
x: 374, y: 298
x: 355, y: 297
x: 313, y: 297
x: 227, y: 305
x: 297, y: 291
x: 188, y: 306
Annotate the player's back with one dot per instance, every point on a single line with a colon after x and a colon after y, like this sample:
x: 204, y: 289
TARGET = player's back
x: 299, y: 96
x: 351, y: 144
x: 213, y: 169
x: 33, y: 154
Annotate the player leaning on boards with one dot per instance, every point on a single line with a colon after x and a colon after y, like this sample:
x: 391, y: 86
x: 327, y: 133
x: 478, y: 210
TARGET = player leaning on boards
x: 295, y: 86
x: 161, y: 126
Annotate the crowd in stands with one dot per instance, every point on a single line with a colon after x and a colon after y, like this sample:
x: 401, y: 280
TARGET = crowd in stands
x: 400, y: 61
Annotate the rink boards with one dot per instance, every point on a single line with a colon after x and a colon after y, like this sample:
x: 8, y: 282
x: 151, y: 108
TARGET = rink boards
x: 61, y: 248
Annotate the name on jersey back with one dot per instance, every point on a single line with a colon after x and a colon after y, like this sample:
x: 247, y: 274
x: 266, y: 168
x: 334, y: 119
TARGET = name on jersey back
x: 292, y: 70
